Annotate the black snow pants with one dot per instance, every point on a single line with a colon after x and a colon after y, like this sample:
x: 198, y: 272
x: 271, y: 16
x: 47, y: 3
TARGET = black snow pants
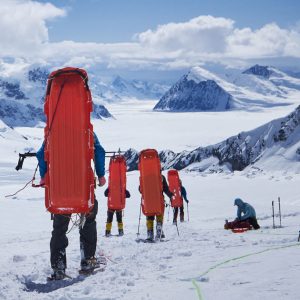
x: 59, y: 240
x: 253, y: 222
x: 110, y: 215
x: 176, y: 214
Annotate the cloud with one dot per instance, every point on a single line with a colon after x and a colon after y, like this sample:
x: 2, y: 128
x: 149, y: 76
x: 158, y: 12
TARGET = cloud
x: 204, y: 33
x: 268, y: 41
x: 23, y: 28
x: 204, y: 39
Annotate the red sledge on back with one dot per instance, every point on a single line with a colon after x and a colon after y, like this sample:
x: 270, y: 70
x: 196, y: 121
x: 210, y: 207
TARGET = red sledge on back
x: 175, y: 188
x: 117, y: 183
x: 151, y: 183
x: 69, y: 143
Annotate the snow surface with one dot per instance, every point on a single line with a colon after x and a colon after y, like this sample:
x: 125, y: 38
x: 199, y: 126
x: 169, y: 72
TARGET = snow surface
x: 161, y: 270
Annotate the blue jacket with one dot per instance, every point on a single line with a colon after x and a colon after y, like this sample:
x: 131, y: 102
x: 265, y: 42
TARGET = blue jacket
x: 99, y: 156
x: 244, y: 208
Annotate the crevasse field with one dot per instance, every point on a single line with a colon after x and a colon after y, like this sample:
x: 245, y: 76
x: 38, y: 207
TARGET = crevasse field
x: 203, y: 262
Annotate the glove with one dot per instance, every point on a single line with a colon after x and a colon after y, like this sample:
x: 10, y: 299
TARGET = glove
x: 42, y: 181
x: 102, y: 181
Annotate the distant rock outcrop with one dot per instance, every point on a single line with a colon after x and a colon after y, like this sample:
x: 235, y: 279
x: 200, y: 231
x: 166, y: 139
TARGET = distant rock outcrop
x: 188, y: 95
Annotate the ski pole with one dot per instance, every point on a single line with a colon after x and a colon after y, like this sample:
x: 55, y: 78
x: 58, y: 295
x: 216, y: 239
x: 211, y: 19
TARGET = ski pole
x: 299, y: 236
x: 169, y: 210
x: 273, y: 214
x: 138, y: 233
x: 187, y: 205
x: 279, y: 211
x: 176, y: 222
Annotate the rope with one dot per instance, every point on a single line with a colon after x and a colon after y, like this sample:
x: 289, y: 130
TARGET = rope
x: 234, y: 259
x: 25, y: 186
x: 197, y: 287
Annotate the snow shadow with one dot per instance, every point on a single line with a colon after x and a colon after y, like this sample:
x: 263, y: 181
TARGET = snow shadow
x: 50, y: 286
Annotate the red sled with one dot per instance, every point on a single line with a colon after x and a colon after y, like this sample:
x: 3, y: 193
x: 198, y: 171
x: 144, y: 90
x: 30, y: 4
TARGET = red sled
x: 238, y: 226
x: 69, y: 143
x: 117, y: 183
x: 175, y: 188
x: 151, y: 183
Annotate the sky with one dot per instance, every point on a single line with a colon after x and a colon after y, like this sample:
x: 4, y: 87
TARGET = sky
x: 150, y: 36
x: 118, y: 20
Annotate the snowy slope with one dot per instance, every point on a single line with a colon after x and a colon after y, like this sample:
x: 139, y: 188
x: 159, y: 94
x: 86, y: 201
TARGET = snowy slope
x: 204, y: 252
x: 248, y: 90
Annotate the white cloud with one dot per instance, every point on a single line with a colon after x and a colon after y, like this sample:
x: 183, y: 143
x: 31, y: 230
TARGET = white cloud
x: 23, y: 27
x: 204, y: 33
x: 24, y: 33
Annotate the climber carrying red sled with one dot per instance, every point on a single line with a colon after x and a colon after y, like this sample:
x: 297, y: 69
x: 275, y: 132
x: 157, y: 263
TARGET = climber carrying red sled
x: 116, y: 193
x: 179, y: 193
x: 65, y: 159
x: 152, y: 186
x: 246, y: 217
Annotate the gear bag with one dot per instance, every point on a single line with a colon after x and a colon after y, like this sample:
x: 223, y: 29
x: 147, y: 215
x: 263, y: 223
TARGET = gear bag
x: 151, y: 183
x: 69, y: 143
x: 175, y: 188
x: 117, y: 183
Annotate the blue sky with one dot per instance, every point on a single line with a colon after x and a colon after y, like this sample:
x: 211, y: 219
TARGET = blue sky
x: 118, y: 20
x: 150, y: 36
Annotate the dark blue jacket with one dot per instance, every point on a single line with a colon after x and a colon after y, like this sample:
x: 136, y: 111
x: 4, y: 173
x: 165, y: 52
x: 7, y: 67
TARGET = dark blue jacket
x: 99, y: 156
x: 245, y: 210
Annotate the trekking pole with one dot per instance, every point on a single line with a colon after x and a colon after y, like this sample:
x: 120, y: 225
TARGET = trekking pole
x: 169, y: 210
x: 279, y: 211
x: 273, y: 214
x: 187, y: 206
x: 176, y: 222
x: 138, y: 233
x: 299, y: 236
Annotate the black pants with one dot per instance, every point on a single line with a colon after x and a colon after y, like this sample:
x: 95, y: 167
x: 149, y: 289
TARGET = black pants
x: 110, y: 216
x: 59, y: 240
x: 253, y: 222
x: 176, y: 213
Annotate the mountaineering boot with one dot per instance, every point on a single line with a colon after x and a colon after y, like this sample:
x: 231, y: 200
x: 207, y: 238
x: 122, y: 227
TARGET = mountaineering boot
x: 150, y: 235
x: 158, y: 231
x: 88, y: 265
x: 120, y: 228
x: 108, y: 229
x: 58, y: 274
x: 181, y: 217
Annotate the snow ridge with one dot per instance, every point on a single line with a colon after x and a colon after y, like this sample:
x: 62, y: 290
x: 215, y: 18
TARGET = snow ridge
x: 278, y: 138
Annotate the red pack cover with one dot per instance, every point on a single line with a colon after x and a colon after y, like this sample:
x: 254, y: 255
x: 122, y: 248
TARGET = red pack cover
x: 69, y: 143
x: 175, y: 188
x: 117, y: 183
x: 151, y: 183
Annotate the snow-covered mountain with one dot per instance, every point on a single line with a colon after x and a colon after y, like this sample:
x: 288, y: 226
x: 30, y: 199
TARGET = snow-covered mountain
x: 255, y: 88
x: 22, y: 98
x: 273, y: 146
x: 189, y: 95
x: 120, y: 89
